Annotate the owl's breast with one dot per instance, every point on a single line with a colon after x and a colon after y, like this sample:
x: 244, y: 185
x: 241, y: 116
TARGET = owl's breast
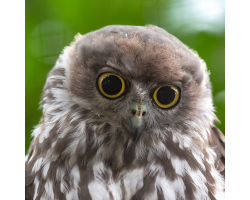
x: 147, y: 182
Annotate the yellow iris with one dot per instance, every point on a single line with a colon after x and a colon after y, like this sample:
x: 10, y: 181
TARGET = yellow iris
x: 174, y: 101
x: 120, y: 87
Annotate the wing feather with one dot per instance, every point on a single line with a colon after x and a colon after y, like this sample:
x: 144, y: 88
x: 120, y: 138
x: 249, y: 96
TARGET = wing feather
x: 217, y: 142
x: 29, y: 179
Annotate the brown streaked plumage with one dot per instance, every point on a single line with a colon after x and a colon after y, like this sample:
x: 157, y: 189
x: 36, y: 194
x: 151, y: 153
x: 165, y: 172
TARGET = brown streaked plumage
x: 85, y: 146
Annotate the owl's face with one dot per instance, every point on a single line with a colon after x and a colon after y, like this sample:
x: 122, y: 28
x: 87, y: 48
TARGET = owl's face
x: 144, y: 85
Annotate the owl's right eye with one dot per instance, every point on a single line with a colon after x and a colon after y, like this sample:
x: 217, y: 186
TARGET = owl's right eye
x: 111, y: 85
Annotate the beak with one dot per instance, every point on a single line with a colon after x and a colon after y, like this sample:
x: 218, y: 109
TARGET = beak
x: 135, y: 127
x: 136, y: 122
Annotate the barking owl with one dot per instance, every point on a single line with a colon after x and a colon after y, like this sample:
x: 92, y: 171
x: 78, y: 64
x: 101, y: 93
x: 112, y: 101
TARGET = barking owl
x: 127, y: 114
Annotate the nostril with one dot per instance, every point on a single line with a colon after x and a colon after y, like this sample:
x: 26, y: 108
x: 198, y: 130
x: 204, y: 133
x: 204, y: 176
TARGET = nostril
x: 143, y: 113
x: 133, y: 112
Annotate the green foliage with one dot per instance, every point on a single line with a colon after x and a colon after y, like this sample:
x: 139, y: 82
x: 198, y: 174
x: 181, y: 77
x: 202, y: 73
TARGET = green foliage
x: 51, y: 25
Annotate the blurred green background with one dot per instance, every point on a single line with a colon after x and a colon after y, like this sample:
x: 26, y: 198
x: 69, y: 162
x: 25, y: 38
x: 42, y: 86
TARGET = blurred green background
x: 50, y: 25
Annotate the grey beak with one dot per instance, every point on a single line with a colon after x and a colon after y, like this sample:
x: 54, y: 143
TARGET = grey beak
x: 136, y: 122
x: 136, y: 125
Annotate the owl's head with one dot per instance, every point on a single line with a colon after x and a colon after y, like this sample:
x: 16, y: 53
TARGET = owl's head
x: 135, y: 85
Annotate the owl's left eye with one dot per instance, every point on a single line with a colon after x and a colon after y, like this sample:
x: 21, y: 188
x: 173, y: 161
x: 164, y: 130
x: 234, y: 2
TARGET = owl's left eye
x: 166, y: 96
x: 111, y: 85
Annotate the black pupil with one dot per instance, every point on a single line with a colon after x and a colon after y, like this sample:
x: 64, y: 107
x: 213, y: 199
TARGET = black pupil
x: 165, y: 95
x: 111, y: 85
